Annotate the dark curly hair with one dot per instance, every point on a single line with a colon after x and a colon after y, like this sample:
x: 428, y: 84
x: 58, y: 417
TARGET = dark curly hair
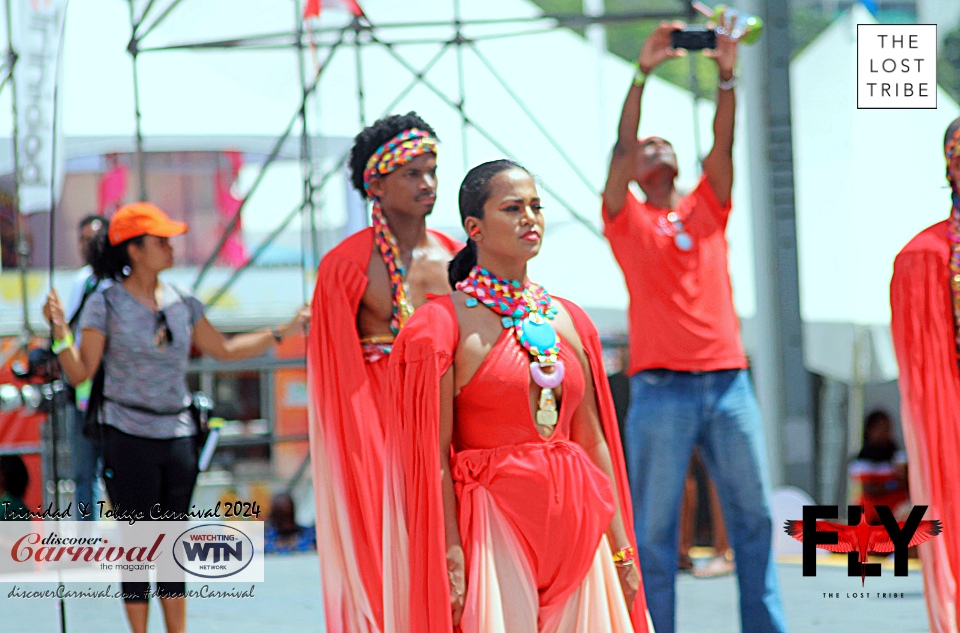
x: 474, y: 193
x: 372, y: 137
x: 109, y: 261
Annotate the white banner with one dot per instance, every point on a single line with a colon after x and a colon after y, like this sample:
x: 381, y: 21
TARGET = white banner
x: 37, y: 28
x: 208, y: 550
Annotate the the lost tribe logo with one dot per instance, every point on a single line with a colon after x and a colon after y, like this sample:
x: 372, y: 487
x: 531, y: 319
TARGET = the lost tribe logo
x: 859, y: 538
x: 213, y: 551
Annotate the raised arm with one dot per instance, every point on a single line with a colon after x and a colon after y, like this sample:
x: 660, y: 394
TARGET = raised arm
x: 718, y: 165
x: 655, y: 50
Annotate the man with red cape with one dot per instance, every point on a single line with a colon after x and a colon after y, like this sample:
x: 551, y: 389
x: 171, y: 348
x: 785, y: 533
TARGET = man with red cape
x: 367, y: 287
x: 925, y: 307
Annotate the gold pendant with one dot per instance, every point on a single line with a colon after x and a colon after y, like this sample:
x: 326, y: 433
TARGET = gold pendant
x: 547, y: 411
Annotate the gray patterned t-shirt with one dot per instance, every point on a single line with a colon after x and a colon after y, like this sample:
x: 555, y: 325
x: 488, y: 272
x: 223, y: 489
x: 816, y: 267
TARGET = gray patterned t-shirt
x: 136, y: 370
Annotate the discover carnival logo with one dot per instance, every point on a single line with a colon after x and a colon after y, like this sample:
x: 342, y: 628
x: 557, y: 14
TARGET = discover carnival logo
x: 213, y: 550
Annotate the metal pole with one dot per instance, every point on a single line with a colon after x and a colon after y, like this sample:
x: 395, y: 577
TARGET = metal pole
x: 22, y: 248
x: 461, y: 84
x: 306, y: 159
x: 132, y: 48
x: 783, y: 384
x: 597, y: 36
x: 361, y: 106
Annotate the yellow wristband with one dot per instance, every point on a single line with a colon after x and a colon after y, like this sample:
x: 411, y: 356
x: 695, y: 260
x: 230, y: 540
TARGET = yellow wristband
x: 62, y: 344
x: 639, y: 77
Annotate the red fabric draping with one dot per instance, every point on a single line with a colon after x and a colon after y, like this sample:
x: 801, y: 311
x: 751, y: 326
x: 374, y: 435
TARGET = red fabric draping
x: 347, y: 413
x: 922, y: 326
x: 423, y: 353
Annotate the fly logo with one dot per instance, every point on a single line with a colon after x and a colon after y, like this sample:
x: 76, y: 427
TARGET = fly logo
x: 213, y: 551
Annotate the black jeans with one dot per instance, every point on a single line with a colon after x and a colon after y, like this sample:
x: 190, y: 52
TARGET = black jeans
x: 141, y: 472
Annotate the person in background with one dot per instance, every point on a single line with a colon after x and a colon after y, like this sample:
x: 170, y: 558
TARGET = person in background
x: 139, y: 332
x: 688, y: 371
x: 85, y: 451
x: 282, y: 534
x: 14, y: 480
x: 721, y: 562
x: 880, y: 468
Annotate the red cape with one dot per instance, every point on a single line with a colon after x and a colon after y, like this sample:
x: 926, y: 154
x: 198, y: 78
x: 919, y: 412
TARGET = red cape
x: 922, y: 326
x: 347, y: 398
x: 420, y: 358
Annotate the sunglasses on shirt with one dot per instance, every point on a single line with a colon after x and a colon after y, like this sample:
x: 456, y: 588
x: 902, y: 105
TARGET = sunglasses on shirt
x: 162, y: 334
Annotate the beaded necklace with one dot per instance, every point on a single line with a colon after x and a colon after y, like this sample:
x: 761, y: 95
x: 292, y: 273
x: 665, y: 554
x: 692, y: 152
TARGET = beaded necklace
x: 393, y: 154
x: 953, y: 235
x: 528, y: 309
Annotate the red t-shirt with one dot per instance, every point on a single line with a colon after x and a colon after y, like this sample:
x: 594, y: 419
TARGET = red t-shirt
x: 681, y: 302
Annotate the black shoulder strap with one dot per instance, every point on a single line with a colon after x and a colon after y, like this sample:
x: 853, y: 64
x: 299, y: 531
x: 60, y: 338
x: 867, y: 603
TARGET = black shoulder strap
x: 88, y: 290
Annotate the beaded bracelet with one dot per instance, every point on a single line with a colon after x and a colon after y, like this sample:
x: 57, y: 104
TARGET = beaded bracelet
x: 625, y: 557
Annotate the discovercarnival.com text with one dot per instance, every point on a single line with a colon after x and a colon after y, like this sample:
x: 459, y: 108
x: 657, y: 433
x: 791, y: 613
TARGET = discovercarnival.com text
x: 62, y: 592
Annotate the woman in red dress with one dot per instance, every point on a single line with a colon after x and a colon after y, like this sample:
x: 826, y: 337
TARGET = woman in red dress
x: 502, y: 394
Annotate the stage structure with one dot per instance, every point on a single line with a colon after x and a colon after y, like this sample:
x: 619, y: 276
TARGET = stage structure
x: 324, y: 45
x: 359, y: 33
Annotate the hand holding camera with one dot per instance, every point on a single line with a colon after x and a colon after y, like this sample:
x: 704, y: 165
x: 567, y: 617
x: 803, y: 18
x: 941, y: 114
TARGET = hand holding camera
x: 658, y: 46
x: 728, y: 41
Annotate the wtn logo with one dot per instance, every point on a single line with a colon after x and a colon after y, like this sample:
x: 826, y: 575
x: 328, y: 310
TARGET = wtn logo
x: 860, y: 538
x: 220, y: 550
x: 214, y: 551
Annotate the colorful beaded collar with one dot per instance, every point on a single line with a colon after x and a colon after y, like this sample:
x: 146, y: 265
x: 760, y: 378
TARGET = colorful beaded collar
x: 528, y: 309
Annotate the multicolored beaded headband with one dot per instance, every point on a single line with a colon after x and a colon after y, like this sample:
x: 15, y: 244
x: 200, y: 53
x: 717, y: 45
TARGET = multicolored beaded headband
x: 396, y: 152
x: 951, y: 145
x: 393, y: 154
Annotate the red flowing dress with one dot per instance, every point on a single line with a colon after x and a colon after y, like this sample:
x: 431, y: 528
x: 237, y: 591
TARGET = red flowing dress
x: 922, y: 326
x: 349, y: 405
x: 532, y: 511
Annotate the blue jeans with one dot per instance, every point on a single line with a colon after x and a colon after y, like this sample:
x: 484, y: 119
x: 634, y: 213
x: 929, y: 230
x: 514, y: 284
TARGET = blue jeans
x: 85, y: 457
x: 670, y: 413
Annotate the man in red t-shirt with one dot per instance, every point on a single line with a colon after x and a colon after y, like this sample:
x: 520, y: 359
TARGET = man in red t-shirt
x: 688, y: 373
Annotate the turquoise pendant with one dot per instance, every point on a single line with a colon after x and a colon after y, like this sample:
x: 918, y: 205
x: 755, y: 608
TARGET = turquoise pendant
x: 471, y: 302
x: 539, y: 333
x: 507, y: 322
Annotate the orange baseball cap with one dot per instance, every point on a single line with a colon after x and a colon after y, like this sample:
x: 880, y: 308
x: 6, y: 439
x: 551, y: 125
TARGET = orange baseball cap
x: 142, y: 218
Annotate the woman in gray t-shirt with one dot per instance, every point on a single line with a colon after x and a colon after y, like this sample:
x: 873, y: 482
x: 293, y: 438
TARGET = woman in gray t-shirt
x: 140, y: 332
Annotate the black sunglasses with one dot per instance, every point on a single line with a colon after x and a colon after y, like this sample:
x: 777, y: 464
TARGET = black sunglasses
x: 162, y: 334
